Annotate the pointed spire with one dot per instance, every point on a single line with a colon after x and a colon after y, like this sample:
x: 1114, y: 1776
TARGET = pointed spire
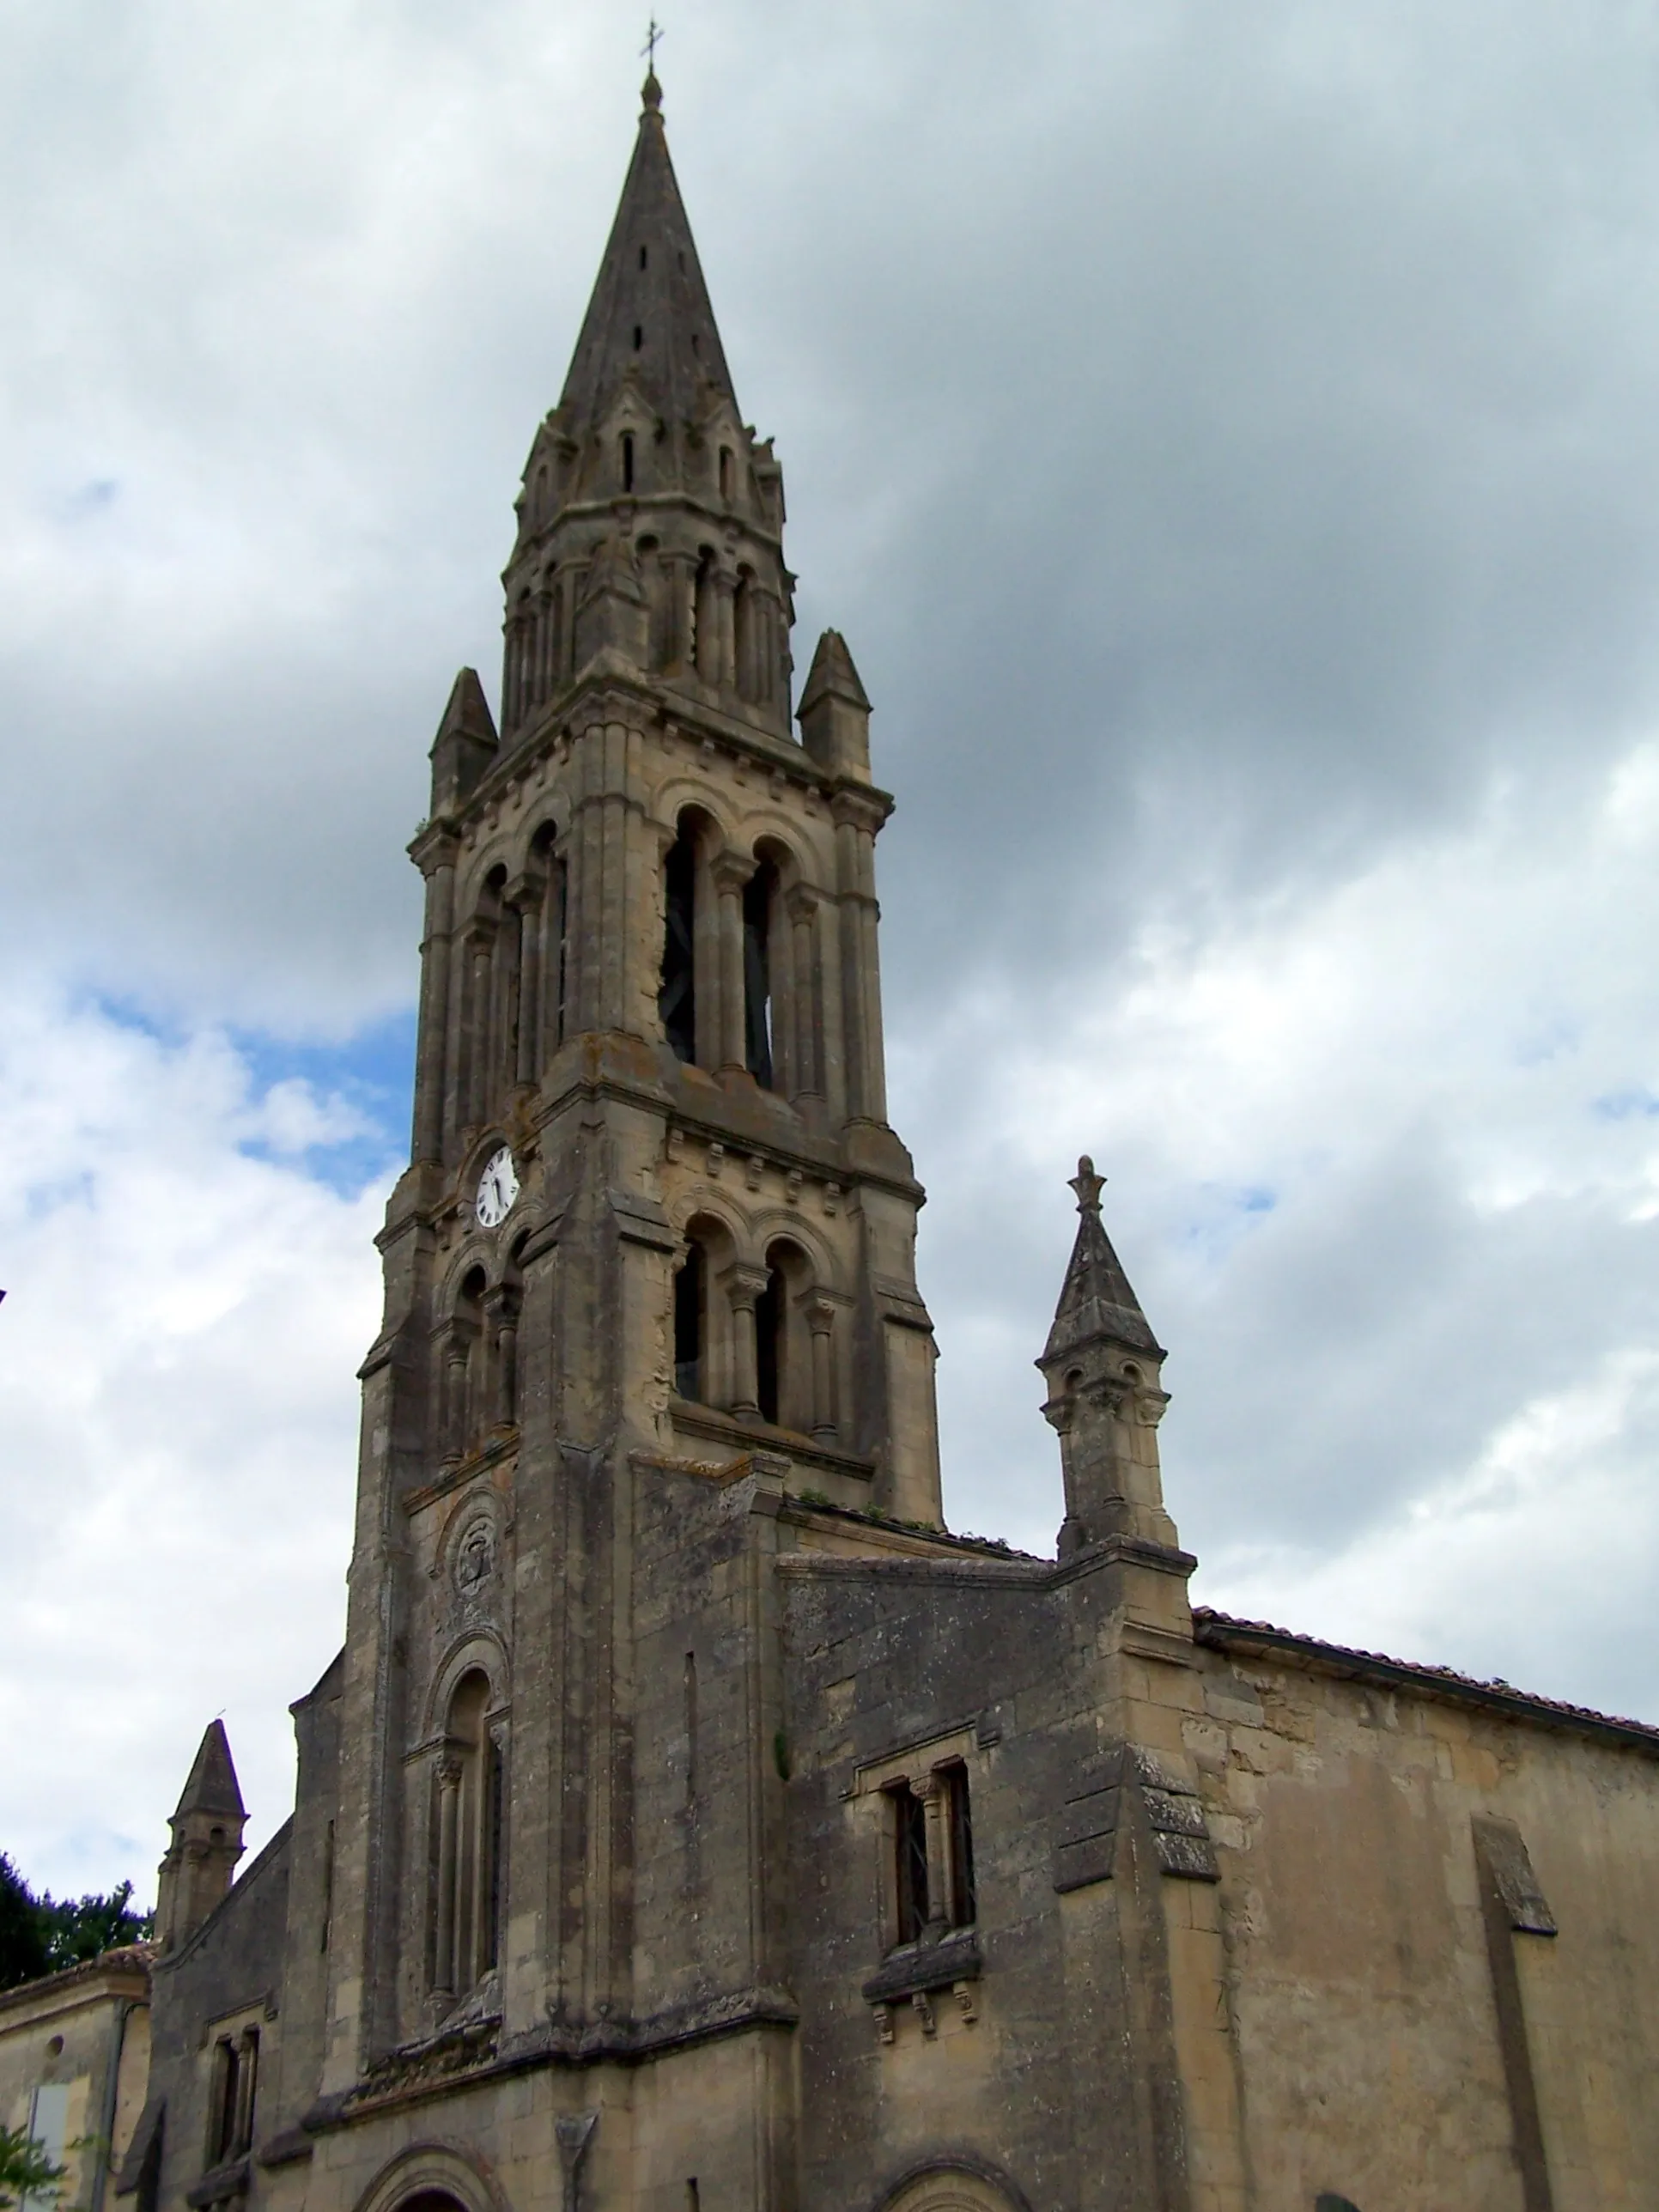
x: 466, y: 743
x: 835, y: 710
x: 649, y: 317
x: 212, y: 1786
x: 832, y: 675
x: 1097, y: 1304
x: 207, y: 1841
x: 1102, y: 1365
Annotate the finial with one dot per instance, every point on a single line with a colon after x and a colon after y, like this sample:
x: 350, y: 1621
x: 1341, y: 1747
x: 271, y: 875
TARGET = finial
x: 651, y: 91
x: 1088, y: 1186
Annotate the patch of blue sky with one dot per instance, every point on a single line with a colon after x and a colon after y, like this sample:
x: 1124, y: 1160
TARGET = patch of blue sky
x: 1560, y: 1033
x: 132, y: 1014
x: 1635, y: 1103
x: 91, y: 498
x: 372, y: 1074
x: 1225, y: 1215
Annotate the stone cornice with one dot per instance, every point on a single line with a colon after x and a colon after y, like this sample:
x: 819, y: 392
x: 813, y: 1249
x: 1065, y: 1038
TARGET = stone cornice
x: 1126, y: 1551
x: 538, y: 543
x: 660, y: 709
x: 120, y: 1973
x: 1499, y: 1701
x: 418, y: 2073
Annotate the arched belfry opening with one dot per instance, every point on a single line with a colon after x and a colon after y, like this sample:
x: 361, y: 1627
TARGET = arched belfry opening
x: 771, y: 1354
x: 760, y: 903
x: 676, y: 995
x: 470, y: 1803
x: 691, y: 1324
x: 545, y: 958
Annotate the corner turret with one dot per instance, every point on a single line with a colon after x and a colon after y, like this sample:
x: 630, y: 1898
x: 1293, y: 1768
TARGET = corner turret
x: 207, y: 1842
x: 1102, y: 1365
x: 835, y: 711
x: 465, y: 744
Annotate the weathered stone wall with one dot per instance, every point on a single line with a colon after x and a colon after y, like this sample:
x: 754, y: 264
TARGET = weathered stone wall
x: 1363, y: 1986
x: 1355, y: 2040
x: 227, y: 1976
x: 85, y: 2032
x: 923, y: 1658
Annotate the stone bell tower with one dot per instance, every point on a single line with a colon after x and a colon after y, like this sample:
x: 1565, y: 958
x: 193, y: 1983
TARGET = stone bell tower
x: 655, y: 1224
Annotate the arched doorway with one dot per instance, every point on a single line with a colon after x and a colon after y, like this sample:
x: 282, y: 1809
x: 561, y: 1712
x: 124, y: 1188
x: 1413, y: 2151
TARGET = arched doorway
x: 962, y: 2184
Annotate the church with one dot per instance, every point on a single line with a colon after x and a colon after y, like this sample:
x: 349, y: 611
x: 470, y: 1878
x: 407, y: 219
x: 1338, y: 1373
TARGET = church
x: 691, y: 1822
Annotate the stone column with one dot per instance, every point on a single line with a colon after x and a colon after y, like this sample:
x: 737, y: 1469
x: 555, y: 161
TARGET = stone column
x: 474, y: 1025
x: 582, y: 917
x: 247, y: 2078
x: 449, y: 1804
x: 479, y: 1404
x: 528, y: 897
x: 935, y: 1804
x: 856, y: 824
x: 831, y: 1008
x: 705, y: 623
x: 429, y: 1072
x: 802, y: 906
x: 455, y: 1393
x: 552, y: 963
x: 545, y: 642
x: 501, y: 1329
x: 766, y: 647
x: 743, y: 1286
x: 821, y: 1320
x: 730, y: 872
x: 504, y: 1004
x: 679, y: 583
x: 726, y: 589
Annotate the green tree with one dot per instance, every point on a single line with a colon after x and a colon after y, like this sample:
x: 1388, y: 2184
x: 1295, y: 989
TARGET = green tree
x: 25, y: 2169
x: 86, y: 1927
x: 23, y: 1952
x: 42, y: 1935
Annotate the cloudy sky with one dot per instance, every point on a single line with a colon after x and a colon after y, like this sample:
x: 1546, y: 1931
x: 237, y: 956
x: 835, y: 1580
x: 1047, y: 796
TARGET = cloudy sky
x: 1227, y: 436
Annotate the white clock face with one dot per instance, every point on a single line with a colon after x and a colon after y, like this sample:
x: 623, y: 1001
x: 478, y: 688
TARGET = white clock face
x: 498, y: 1186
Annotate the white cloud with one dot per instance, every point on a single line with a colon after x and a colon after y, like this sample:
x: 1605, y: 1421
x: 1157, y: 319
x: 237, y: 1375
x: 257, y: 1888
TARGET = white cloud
x: 1384, y: 1161
x: 177, y: 1398
x: 1535, y: 1567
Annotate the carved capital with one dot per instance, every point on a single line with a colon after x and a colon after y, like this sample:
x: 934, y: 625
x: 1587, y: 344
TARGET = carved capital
x: 866, y: 810
x: 433, y: 846
x: 730, y: 872
x: 744, y: 1285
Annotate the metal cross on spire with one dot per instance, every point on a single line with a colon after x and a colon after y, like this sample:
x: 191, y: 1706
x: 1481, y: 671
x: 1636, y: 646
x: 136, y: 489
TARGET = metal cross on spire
x: 652, y: 39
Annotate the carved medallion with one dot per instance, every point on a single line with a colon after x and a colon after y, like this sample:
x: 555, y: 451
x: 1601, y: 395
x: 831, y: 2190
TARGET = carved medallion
x: 475, y: 1559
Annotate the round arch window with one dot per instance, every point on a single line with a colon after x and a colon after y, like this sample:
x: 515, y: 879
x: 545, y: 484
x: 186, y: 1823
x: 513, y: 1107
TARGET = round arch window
x: 950, y: 2189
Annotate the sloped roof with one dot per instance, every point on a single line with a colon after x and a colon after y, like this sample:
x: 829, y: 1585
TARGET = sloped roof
x: 832, y: 673
x: 1223, y: 1632
x: 649, y: 317
x: 1096, y: 1303
x: 212, y: 1786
